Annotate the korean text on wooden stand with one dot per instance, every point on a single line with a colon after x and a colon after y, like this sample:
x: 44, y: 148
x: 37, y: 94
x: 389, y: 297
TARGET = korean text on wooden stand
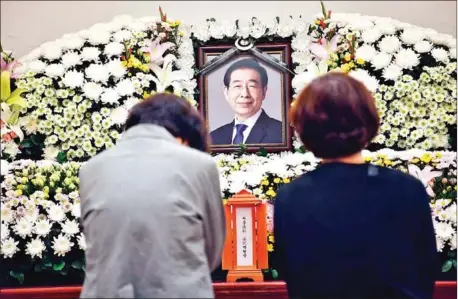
x: 245, y: 249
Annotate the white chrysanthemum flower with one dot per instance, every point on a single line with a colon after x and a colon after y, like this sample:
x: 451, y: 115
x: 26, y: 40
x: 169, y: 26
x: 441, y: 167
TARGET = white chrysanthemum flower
x: 90, y: 54
x: 42, y: 227
x: 110, y: 96
x: 119, y: 115
x: 61, y: 245
x: 55, y: 70
x: 97, y: 73
x: 50, y: 153
x: 116, y: 69
x: 76, y: 210
x: 407, y: 59
x: 131, y: 102
x: 56, y: 213
x: 360, y: 23
x: 389, y: 44
x: 125, y: 88
x: 381, y: 60
x: 36, y: 66
x: 70, y: 227
x: 365, y: 52
x: 4, y: 232
x: 452, y: 53
x: 423, y: 46
x: 9, y: 247
x: 122, y: 35
x: 392, y: 72
x: 440, y: 55
x: 35, y: 248
x: 371, y: 36
x: 363, y: 76
x: 31, y: 214
x: 70, y: 59
x: 4, y: 167
x: 82, y: 241
x: 443, y: 230
x: 23, y: 228
x: 52, y: 51
x: 72, y: 42
x: 92, y: 90
x: 11, y: 148
x: 386, y: 27
x: 452, y: 242
x: 138, y: 26
x: 6, y: 214
x: 412, y: 35
x: 98, y: 37
x: 114, y: 49
x: 73, y: 79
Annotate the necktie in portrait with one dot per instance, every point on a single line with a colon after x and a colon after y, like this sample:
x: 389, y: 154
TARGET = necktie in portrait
x: 239, y: 133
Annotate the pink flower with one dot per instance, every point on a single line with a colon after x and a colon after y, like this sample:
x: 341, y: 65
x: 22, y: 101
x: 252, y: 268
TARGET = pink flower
x: 323, y: 48
x: 156, y: 50
x: 10, y: 67
x: 270, y: 217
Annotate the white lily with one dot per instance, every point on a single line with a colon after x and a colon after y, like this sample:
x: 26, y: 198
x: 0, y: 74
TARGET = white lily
x: 6, y: 114
x: 425, y: 176
x: 313, y: 71
x: 165, y: 76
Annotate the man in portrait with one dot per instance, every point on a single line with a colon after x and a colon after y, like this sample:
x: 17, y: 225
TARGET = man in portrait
x: 245, y: 87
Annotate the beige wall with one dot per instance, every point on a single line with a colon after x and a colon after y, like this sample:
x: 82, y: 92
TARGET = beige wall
x: 27, y: 24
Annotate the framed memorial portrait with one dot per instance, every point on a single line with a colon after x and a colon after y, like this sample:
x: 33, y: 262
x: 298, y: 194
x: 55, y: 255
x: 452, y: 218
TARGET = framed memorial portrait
x: 245, y: 96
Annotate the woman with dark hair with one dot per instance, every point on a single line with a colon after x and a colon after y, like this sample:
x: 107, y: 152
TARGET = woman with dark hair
x: 151, y: 207
x: 350, y: 229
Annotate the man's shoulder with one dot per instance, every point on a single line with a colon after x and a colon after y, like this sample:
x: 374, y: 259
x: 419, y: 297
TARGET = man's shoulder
x: 221, y: 129
x: 270, y: 121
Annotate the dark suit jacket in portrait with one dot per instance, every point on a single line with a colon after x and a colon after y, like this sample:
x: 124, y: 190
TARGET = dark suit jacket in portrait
x: 265, y: 130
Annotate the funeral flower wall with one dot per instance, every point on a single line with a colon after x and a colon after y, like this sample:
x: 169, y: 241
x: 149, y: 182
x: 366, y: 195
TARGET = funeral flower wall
x: 40, y: 207
x: 379, y: 52
x: 80, y: 88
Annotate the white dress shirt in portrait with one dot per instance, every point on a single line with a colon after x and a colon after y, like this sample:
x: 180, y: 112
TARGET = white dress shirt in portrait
x: 249, y: 122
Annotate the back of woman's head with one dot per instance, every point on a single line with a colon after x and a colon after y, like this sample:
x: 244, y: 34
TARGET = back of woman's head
x: 335, y: 116
x: 173, y: 113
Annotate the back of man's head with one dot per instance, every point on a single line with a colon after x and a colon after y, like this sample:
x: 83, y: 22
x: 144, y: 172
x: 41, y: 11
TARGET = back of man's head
x: 173, y: 113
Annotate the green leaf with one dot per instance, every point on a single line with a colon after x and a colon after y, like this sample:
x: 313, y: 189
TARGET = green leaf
x: 274, y: 274
x: 61, y: 157
x: 39, y: 267
x: 323, y: 10
x: 59, y: 266
x: 262, y: 152
x: 451, y: 253
x: 26, y: 143
x: 5, y: 85
x: 77, y: 265
x: 47, y: 263
x: 14, y: 117
x: 16, y: 99
x: 454, y: 263
x: 447, y: 266
x: 19, y: 276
